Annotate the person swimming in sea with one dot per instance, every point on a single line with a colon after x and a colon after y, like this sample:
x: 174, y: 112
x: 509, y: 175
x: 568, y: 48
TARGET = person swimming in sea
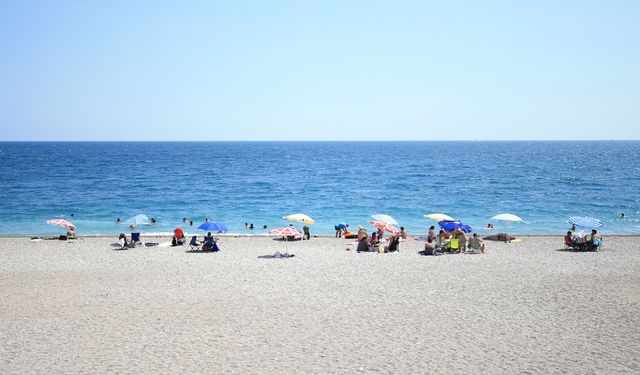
x: 117, y: 220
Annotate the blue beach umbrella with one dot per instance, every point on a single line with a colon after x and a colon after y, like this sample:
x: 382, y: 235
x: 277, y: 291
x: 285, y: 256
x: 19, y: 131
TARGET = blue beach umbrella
x: 451, y: 225
x: 585, y: 221
x: 212, y: 226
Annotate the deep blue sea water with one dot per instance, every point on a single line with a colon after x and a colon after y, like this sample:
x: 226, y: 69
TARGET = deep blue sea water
x: 258, y: 182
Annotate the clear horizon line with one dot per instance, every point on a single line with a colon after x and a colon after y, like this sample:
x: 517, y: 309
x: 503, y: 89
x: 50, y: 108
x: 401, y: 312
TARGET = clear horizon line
x: 324, y: 140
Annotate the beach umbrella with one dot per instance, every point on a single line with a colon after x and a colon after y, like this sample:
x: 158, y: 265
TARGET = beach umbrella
x: 300, y: 217
x: 385, y: 227
x: 286, y: 231
x: 62, y: 223
x: 212, y: 226
x: 507, y: 217
x: 585, y: 221
x: 385, y: 218
x: 451, y: 225
x: 438, y: 217
x: 140, y: 219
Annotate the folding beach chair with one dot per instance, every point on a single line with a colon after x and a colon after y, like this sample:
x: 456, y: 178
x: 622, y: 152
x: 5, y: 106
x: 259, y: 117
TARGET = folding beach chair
x: 472, y: 250
x: 454, y: 245
x: 135, y: 239
x: 194, y: 245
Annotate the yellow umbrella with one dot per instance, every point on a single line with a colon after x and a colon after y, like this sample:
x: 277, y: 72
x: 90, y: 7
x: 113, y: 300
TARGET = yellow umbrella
x: 300, y: 217
x: 438, y: 217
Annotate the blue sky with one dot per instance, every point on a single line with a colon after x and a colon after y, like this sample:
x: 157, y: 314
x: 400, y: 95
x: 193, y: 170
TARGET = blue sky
x: 319, y: 70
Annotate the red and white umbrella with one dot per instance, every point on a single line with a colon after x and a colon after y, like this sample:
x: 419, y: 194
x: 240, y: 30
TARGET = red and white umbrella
x: 62, y: 223
x: 286, y: 231
x: 385, y: 227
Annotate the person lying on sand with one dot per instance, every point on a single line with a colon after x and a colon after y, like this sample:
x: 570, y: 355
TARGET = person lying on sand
x: 278, y: 254
x: 500, y: 237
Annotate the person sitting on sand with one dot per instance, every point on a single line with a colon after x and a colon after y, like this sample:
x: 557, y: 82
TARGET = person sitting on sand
x: 403, y: 233
x: 500, y: 237
x: 594, y: 241
x: 71, y: 233
x: 441, y: 239
x: 361, y: 232
x: 122, y: 239
x: 476, y: 243
x: 363, y: 245
x: 568, y: 238
x: 431, y: 234
x: 210, y: 243
x: 394, y: 244
x: 430, y: 249
x: 207, y: 242
x: 380, y: 234
x: 178, y: 237
x: 374, y: 241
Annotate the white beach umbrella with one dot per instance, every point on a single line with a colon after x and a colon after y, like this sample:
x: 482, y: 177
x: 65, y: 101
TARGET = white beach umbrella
x: 507, y: 217
x: 301, y: 218
x: 439, y: 217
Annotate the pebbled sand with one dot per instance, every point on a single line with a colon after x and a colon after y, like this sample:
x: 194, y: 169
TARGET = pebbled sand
x: 82, y: 307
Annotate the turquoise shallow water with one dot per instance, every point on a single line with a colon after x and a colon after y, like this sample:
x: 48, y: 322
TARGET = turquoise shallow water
x: 258, y: 182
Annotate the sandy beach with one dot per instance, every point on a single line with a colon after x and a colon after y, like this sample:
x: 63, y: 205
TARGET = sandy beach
x: 83, y: 307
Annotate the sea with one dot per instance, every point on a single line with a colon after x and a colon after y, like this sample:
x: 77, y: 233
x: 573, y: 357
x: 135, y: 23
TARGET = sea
x: 237, y: 183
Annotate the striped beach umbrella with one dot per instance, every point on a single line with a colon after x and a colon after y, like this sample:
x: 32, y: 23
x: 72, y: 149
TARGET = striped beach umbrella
x: 585, y: 221
x: 286, y: 231
x: 385, y: 226
x: 385, y: 219
x: 62, y: 223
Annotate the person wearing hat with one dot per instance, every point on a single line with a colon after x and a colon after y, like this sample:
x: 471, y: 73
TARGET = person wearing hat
x: 361, y: 232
